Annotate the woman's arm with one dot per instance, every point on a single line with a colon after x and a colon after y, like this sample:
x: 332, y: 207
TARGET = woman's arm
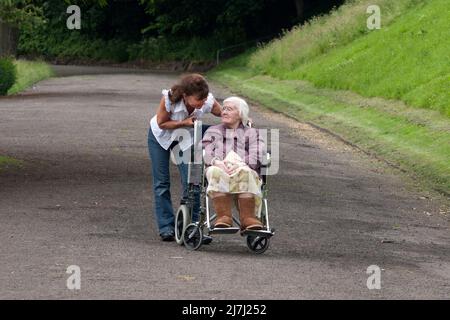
x: 216, y: 109
x: 164, y: 122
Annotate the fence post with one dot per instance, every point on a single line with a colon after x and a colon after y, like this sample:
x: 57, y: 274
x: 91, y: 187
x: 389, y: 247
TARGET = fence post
x: 217, y: 56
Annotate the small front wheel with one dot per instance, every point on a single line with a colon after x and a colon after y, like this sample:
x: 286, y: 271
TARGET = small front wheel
x: 193, y: 236
x: 182, y: 219
x: 257, y: 244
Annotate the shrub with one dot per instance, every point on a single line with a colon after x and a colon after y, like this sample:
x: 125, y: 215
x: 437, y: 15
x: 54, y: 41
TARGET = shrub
x: 8, y: 74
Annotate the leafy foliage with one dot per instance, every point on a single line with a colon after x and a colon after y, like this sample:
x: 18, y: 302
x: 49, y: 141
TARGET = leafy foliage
x: 20, y: 12
x: 8, y: 74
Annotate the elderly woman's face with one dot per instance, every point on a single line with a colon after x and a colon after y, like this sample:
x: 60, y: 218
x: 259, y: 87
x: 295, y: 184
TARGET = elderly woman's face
x: 230, y: 114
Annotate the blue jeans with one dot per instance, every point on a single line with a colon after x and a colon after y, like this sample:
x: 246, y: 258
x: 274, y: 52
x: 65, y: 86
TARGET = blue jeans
x: 161, y: 185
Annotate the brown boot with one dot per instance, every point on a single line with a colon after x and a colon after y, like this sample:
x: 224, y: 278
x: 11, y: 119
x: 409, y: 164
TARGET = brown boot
x: 222, y: 206
x: 247, y: 214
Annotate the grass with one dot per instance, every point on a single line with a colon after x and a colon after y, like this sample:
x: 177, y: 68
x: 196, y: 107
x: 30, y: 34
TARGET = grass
x: 407, y: 59
x: 416, y: 140
x: 28, y: 73
x: 7, y: 162
x: 323, y: 34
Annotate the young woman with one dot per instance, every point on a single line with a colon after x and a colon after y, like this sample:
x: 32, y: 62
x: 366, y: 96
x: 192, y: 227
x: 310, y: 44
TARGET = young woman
x: 187, y: 100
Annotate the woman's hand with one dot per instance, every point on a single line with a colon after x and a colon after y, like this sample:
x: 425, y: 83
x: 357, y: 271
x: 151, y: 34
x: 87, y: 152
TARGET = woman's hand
x: 188, y: 122
x: 228, y: 167
x: 220, y: 164
x: 233, y: 167
x: 216, y: 109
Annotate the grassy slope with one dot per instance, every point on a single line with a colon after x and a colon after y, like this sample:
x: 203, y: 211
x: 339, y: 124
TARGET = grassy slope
x: 408, y: 59
x: 28, y: 73
x: 415, y: 139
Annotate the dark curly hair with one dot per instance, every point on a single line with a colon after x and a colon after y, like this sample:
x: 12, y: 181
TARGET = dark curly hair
x: 192, y: 85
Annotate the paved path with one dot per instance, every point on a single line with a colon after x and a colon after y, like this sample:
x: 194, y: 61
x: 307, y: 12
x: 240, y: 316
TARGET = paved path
x: 84, y: 198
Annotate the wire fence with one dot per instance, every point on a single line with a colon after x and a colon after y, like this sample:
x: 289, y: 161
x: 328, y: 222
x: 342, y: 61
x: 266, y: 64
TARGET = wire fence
x: 231, y: 51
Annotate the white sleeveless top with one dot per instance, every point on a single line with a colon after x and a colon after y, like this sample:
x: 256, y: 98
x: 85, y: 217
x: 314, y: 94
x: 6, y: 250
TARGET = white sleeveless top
x: 178, y: 112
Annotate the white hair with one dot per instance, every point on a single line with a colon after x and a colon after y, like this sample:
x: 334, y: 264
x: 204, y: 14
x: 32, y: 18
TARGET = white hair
x: 242, y: 106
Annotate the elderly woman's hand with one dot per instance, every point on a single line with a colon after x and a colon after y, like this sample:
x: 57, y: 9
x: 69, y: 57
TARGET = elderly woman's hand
x: 232, y: 167
x: 220, y: 164
x: 226, y: 166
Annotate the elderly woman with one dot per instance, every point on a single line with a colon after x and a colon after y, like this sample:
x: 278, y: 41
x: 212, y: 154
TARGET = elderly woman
x: 233, y: 153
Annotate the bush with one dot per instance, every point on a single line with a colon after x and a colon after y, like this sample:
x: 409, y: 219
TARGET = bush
x: 8, y: 75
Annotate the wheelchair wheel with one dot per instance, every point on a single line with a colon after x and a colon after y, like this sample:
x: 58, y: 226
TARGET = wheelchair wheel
x: 193, y: 236
x: 257, y: 244
x: 182, y: 219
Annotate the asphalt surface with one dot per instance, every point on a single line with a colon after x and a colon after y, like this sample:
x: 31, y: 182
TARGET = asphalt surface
x: 83, y: 197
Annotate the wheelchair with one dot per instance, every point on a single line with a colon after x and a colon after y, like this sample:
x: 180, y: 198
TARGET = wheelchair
x: 191, y: 234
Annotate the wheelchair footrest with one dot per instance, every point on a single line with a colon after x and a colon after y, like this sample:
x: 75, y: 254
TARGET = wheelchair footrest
x: 260, y: 233
x: 224, y: 230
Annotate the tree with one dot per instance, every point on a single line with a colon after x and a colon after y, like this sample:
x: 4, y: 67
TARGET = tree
x: 19, y: 12
x: 234, y: 19
x: 14, y: 14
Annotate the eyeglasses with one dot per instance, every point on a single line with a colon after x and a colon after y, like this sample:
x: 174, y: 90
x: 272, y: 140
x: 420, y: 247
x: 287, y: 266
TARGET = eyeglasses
x: 229, y: 109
